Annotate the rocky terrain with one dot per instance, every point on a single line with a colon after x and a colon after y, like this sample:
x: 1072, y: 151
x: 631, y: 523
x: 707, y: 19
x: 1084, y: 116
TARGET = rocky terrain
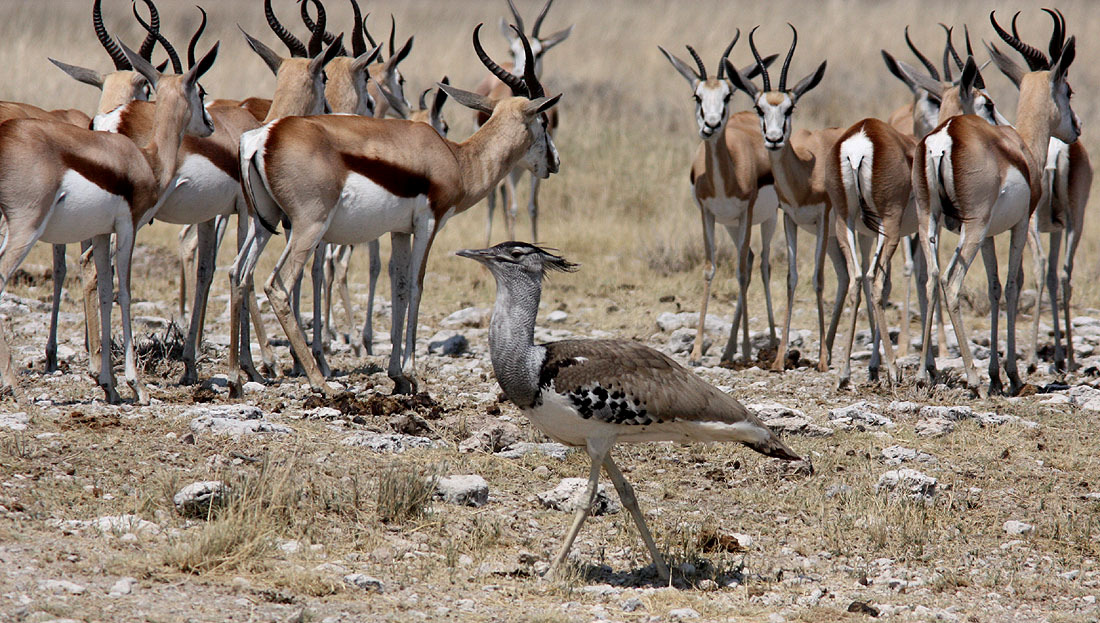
x: 924, y: 503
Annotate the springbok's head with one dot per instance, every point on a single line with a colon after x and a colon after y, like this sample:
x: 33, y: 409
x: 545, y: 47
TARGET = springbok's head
x: 179, y: 95
x: 526, y: 109
x: 299, y: 78
x: 775, y: 107
x: 539, y: 45
x: 124, y: 84
x: 712, y: 95
x: 1044, y: 84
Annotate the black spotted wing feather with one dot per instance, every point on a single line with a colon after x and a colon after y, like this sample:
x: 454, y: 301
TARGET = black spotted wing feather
x: 629, y: 383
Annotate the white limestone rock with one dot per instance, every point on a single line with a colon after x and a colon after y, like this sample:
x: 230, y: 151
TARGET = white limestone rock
x: 569, y: 496
x: 464, y: 490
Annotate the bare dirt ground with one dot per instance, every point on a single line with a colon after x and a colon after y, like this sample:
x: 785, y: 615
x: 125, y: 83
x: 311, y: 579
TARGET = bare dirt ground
x: 87, y: 493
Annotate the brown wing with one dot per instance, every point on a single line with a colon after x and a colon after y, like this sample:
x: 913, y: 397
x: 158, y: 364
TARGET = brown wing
x: 639, y: 376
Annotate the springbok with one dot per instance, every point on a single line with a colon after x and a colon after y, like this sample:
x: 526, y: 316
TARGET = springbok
x: 65, y: 184
x: 347, y: 180
x: 1067, y: 179
x: 493, y: 88
x: 986, y: 180
x: 731, y: 182
x: 337, y: 261
x: 798, y: 166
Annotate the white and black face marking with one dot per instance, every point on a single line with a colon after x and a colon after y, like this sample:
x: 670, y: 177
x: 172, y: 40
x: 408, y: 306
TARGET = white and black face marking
x: 775, y: 109
x: 712, y: 107
x: 541, y: 158
x: 395, y: 82
x: 985, y: 108
x: 519, y: 58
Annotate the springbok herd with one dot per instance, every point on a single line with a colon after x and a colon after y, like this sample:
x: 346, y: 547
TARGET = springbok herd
x: 338, y: 156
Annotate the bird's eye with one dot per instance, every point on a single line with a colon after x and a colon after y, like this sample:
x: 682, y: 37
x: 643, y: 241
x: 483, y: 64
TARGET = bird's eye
x: 516, y: 253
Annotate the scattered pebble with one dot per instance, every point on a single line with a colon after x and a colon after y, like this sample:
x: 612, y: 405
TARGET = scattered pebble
x: 569, y: 496
x: 465, y: 490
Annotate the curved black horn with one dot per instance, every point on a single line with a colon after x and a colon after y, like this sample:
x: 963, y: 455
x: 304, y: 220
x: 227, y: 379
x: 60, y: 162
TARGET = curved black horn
x: 150, y: 42
x: 513, y: 81
x: 121, y: 63
x: 726, y: 54
x: 760, y: 62
x: 929, y: 65
x: 698, y: 62
x: 515, y: 14
x: 393, y: 32
x: 366, y: 33
x: 195, y: 38
x: 534, y: 87
x: 177, y: 66
x: 358, y: 44
x: 787, y: 61
x: 1058, y: 37
x: 950, y: 49
x: 424, y: 98
x: 979, y: 82
x: 1036, y: 60
x: 542, y: 16
x: 296, y: 47
x: 317, y: 37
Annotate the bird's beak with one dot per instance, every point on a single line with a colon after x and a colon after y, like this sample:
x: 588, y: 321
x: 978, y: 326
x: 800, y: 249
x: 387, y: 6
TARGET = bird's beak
x: 480, y: 255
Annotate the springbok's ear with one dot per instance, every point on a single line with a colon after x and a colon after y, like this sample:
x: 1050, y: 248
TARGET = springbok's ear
x: 966, y: 85
x: 809, y: 82
x: 202, y: 66
x: 440, y: 99
x: 1069, y: 52
x: 686, y: 71
x: 80, y: 74
x: 740, y: 80
x: 506, y: 30
x: 140, y: 65
x: 1007, y: 66
x: 754, y: 71
x: 541, y: 105
x: 918, y: 80
x: 555, y: 38
x: 364, y: 60
x: 393, y: 61
x: 396, y: 103
x: 468, y: 99
x: 270, y: 57
x: 332, y: 51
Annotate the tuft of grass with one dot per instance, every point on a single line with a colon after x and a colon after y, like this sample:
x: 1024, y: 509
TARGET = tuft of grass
x: 404, y: 492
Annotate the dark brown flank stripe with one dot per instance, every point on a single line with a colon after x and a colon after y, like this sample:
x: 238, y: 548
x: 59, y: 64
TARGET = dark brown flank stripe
x: 393, y: 178
x: 218, y: 155
x: 101, y: 176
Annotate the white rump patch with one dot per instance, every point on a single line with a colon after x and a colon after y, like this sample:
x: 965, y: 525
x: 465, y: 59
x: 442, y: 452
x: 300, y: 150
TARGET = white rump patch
x: 108, y: 122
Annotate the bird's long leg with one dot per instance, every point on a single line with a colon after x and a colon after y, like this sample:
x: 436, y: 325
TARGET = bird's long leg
x: 626, y: 494
x: 597, y: 452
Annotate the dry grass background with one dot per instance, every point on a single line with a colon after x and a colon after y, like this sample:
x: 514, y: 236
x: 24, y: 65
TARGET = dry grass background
x: 628, y: 133
x: 621, y: 207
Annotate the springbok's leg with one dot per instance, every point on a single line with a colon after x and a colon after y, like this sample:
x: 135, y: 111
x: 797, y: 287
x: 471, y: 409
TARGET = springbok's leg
x: 59, y: 270
x: 1012, y: 301
x: 970, y: 242
x: 533, y: 208
x: 708, y: 276
x: 206, y: 238
x: 90, y: 290
x: 511, y: 204
x: 491, y: 203
x: 425, y: 230
x: 241, y: 294
x: 1039, y: 265
x: 375, y: 267
x: 742, y: 237
x: 1073, y: 237
x: 318, y: 275
x: 907, y: 274
x: 400, y: 286
x: 101, y: 253
x: 304, y: 239
x: 124, y: 238
x: 790, y: 230
x: 341, y: 265
x: 842, y: 282
x: 328, y: 268
x: 17, y: 244
x: 930, y: 265
x: 597, y: 452
x: 868, y: 248
x: 885, y: 247
x: 846, y: 241
x: 630, y: 501
x: 186, y: 252
x: 989, y: 258
x: 767, y: 231
x: 1055, y: 300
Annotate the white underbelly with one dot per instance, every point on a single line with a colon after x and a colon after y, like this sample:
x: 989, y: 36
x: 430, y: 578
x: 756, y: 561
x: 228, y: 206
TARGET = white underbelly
x: 808, y: 217
x: 83, y: 210
x: 367, y: 211
x: 1012, y: 203
x: 206, y: 192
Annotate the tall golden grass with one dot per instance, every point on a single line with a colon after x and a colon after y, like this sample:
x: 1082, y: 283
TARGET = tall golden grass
x: 627, y: 135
